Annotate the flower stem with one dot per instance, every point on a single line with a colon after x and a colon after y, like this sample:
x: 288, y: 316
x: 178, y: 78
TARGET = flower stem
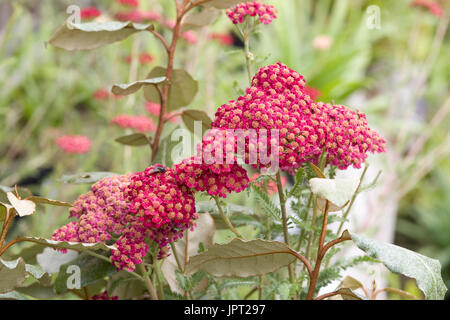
x: 150, y: 287
x: 226, y: 220
x: 284, y: 218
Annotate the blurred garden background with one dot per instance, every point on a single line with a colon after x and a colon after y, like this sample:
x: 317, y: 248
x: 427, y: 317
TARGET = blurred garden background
x: 394, y: 67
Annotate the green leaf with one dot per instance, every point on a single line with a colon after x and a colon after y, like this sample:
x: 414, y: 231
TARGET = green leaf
x: 77, y: 246
x: 135, y: 140
x: 348, y: 294
x: 86, y: 177
x: 126, y: 89
x: 426, y: 271
x: 4, y: 211
x: 182, y: 90
x: 317, y: 170
x: 190, y: 116
x: 337, y: 191
x: 242, y: 258
x: 92, y: 270
x: 351, y: 283
x: 223, y: 4
x: 14, y: 295
x: 401, y: 293
x: 197, y: 19
x: 93, y: 35
x: 203, y: 234
x: 42, y: 200
x: 12, y: 274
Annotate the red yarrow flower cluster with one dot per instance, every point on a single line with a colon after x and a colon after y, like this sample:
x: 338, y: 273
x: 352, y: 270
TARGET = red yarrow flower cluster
x: 129, y: 3
x: 104, y: 296
x: 278, y: 100
x: 214, y: 169
x: 74, y: 144
x: 161, y: 210
x: 101, y: 213
x: 90, y: 13
x: 139, y: 123
x: 265, y: 12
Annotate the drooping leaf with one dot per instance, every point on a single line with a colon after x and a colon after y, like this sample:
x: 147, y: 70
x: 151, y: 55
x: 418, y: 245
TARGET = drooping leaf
x: 191, y: 116
x: 92, y: 270
x: 12, y: 274
x: 351, y: 283
x: 426, y: 271
x: 197, y: 19
x: 203, y: 234
x: 126, y: 89
x: 242, y: 258
x: 92, y: 35
x: 223, y: 4
x: 86, y: 177
x: 182, y: 90
x: 135, y: 140
x: 337, y: 191
x: 77, y: 246
x: 22, y: 207
x: 43, y: 200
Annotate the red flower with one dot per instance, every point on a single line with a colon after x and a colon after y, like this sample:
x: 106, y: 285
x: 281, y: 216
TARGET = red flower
x: 74, y: 144
x: 190, y: 37
x: 224, y: 38
x: 101, y: 94
x: 144, y: 58
x: 129, y: 3
x: 140, y: 123
x: 153, y: 108
x: 433, y: 7
x: 90, y: 13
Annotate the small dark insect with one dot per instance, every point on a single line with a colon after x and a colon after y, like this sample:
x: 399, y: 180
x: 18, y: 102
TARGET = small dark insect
x: 157, y: 169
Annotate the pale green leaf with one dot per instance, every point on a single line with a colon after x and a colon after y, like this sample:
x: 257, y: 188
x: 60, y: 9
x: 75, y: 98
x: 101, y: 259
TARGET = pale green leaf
x: 242, y: 258
x: 93, y: 35
x: 197, y: 19
x: 134, y: 140
x: 12, y: 274
x: 126, y: 89
x: 426, y: 271
x: 191, y: 116
x: 43, y: 200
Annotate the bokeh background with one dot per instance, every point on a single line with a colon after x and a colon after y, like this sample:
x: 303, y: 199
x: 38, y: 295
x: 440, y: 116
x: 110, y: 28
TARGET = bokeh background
x: 393, y: 67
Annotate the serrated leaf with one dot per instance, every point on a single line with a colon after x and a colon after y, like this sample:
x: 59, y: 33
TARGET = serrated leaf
x: 134, y: 140
x: 337, y: 191
x: 182, y: 90
x: 86, y: 177
x: 426, y: 271
x: 223, y: 4
x: 197, y: 19
x: 242, y: 258
x: 190, y: 116
x: 93, y: 35
x: 126, y: 89
x: 22, y: 207
x: 204, y: 233
x: 43, y: 200
x: 12, y: 274
x: 92, y: 269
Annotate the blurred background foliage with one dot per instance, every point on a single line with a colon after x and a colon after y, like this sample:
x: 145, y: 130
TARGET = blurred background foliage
x: 398, y: 74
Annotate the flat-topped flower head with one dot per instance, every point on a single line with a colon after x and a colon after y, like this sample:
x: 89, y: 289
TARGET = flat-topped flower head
x: 266, y: 13
x: 74, y: 144
x: 139, y: 123
x: 159, y: 209
x: 101, y: 213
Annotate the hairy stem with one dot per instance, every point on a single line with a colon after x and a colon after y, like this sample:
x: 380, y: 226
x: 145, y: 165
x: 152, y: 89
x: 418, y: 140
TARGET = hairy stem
x: 149, y: 284
x: 226, y: 220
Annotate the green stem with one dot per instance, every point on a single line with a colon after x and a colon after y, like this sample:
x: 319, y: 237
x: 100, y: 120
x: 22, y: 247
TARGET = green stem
x: 150, y: 287
x: 284, y: 218
x: 311, y: 233
x: 156, y: 266
x: 226, y: 220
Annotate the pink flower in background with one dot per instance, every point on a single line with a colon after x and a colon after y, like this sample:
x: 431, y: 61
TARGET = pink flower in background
x: 90, y: 13
x: 104, y: 296
x: 101, y: 94
x: 271, y: 185
x: 153, y: 108
x: 139, y: 123
x: 74, y: 144
x: 312, y: 92
x: 169, y: 23
x: 144, y: 58
x: 190, y: 37
x: 129, y: 3
x: 266, y: 13
x: 151, y: 15
x: 322, y: 42
x: 172, y: 117
x: 224, y: 38
x: 133, y: 16
x: 432, y: 6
